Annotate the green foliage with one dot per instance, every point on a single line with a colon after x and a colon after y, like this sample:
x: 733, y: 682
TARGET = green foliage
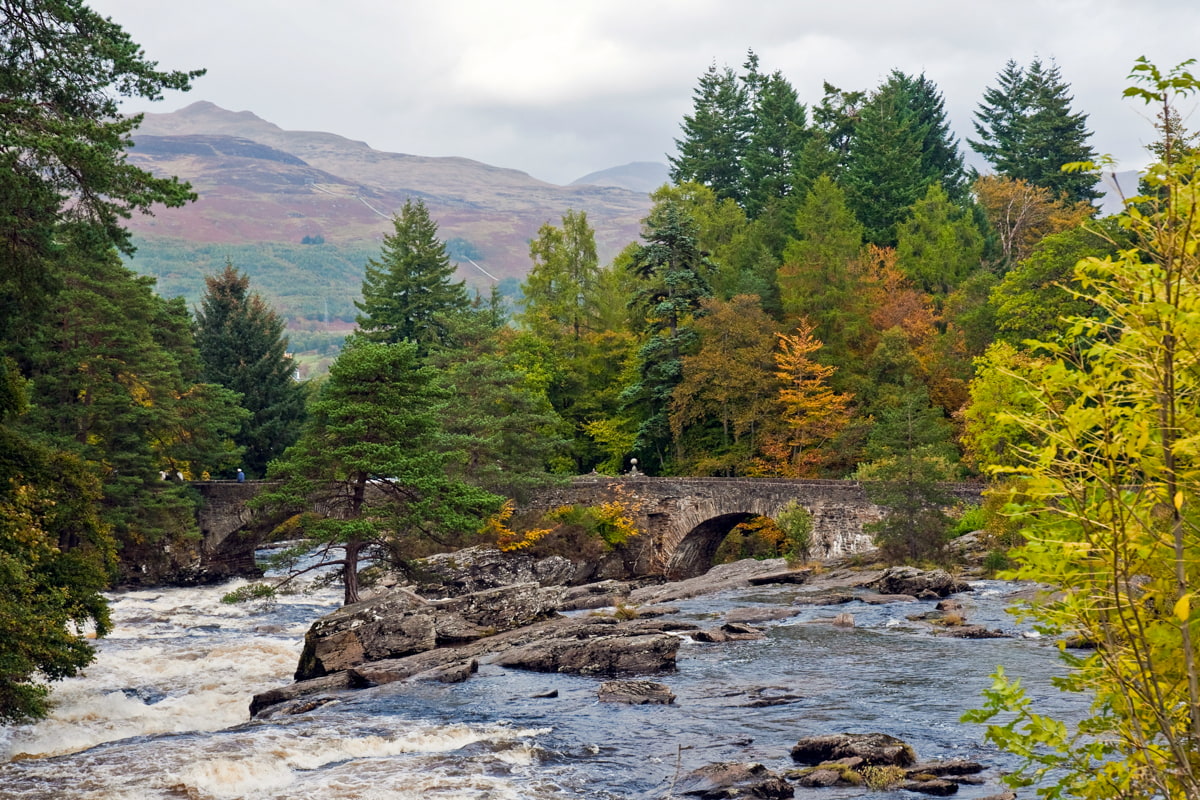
x: 911, y: 455
x: 1027, y: 130
x: 715, y: 136
x: 242, y: 347
x: 559, y: 289
x: 970, y: 519
x: 609, y: 522
x: 407, y: 293
x: 1109, y: 489
x: 797, y: 525
x: 376, y: 461
x: 939, y: 244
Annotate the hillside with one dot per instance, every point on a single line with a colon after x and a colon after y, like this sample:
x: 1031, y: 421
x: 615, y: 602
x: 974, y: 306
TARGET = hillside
x: 301, y: 211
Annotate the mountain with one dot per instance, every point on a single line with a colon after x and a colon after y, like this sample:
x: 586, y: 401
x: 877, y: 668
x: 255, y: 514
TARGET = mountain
x: 301, y: 211
x: 640, y: 176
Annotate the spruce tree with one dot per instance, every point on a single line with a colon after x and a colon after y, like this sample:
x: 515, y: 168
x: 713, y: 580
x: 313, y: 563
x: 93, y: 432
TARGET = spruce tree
x: 242, y: 347
x: 715, y: 136
x: 673, y: 274
x: 1027, y: 130
x: 777, y: 139
x: 407, y: 293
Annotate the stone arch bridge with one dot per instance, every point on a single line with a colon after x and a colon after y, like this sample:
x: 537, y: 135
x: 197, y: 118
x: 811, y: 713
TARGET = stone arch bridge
x: 684, y: 519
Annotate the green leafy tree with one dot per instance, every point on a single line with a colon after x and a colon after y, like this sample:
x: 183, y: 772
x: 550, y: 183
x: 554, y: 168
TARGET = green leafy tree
x: 1111, y: 492
x: 407, y: 293
x: 778, y: 135
x: 1027, y: 130
x: 559, y: 289
x: 375, y: 461
x: 939, y: 244
x: 910, y: 453
x: 715, y: 136
x: 242, y: 347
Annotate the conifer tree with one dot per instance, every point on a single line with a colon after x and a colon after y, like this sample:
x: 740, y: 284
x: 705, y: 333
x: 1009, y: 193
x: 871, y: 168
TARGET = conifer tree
x: 673, y: 273
x: 242, y: 347
x: 407, y: 293
x: 778, y: 136
x: 715, y: 136
x: 1027, y: 130
x: 939, y: 244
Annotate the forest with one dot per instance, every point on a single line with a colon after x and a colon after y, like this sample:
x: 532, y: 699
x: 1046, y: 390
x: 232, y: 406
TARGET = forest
x: 823, y: 291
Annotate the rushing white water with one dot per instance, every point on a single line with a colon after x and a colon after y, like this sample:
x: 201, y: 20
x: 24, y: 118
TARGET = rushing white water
x: 163, y: 712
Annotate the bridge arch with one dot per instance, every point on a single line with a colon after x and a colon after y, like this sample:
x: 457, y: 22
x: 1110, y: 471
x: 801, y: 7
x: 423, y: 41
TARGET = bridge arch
x: 694, y: 554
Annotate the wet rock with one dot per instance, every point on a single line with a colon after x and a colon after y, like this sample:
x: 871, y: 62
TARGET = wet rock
x: 819, y: 778
x: 949, y: 604
x: 914, y: 581
x: 844, y: 621
x: 477, y: 569
x: 545, y: 695
x: 750, y: 615
x: 635, y: 693
x: 295, y: 691
x: 400, y: 624
x: 729, y: 632
x: 936, y: 787
x: 602, y: 653
x: 875, y: 749
x: 731, y: 779
x: 595, y: 595
x: 785, y: 576
x: 972, y: 632
x: 953, y: 766
x: 719, y: 578
x: 883, y: 599
x: 823, y: 599
x: 451, y: 673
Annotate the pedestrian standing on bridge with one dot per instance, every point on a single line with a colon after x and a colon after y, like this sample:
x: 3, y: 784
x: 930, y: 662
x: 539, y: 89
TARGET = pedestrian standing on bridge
x: 241, y: 475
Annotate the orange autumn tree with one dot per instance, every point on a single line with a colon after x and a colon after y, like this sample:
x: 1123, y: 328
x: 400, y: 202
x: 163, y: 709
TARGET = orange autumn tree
x: 811, y: 413
x: 727, y: 394
x: 1022, y: 214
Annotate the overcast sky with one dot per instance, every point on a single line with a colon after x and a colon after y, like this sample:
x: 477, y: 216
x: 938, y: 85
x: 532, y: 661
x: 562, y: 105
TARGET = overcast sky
x: 561, y: 88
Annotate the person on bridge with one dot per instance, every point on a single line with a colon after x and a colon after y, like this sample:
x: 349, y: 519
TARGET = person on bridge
x: 241, y: 475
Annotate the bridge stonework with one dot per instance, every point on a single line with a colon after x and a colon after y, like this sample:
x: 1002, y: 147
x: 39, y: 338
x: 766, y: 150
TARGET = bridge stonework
x: 686, y: 519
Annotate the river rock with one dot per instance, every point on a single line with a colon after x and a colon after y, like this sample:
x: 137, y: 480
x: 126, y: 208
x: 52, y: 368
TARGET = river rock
x: 972, y: 632
x: 721, y: 577
x: 635, y: 693
x: 953, y: 766
x: 875, y: 749
x: 602, y: 653
x: 749, y: 615
x: 595, y: 595
x: 730, y: 779
x: 913, y: 581
x: 477, y: 569
x: 400, y: 623
x: 729, y: 632
x: 936, y: 787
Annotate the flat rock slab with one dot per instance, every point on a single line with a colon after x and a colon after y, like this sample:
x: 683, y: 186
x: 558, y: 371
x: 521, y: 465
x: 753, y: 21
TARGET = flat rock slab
x: 635, y: 693
x: 730, y: 779
x: 724, y: 576
x: 640, y: 653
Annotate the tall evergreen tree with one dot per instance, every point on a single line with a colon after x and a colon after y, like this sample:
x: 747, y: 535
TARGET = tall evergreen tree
x: 673, y: 274
x: 407, y: 294
x: 902, y: 144
x: 715, y: 136
x: 939, y: 244
x: 1027, y: 130
x: 242, y: 347
x: 778, y: 135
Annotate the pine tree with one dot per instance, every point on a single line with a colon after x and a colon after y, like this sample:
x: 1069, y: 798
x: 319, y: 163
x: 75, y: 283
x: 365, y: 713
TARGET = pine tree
x: 375, y: 460
x: 242, y: 347
x: 407, y: 294
x: 939, y: 244
x: 715, y: 136
x: 1027, y: 130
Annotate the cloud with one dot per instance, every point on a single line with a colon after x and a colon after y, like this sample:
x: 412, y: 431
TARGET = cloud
x: 559, y: 90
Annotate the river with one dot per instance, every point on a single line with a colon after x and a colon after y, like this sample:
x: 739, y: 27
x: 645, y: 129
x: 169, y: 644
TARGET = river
x: 162, y: 713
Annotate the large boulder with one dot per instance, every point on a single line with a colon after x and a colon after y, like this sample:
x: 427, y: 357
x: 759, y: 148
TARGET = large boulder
x: 730, y: 779
x: 477, y: 569
x: 598, y: 649
x: 401, y: 623
x: 919, y: 582
x: 875, y: 749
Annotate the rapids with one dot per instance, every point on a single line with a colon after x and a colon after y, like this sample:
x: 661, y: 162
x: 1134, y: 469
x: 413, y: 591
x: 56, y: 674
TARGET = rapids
x: 162, y: 713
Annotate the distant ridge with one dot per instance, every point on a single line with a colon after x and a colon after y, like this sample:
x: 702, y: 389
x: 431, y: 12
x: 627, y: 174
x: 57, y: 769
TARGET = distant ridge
x: 639, y: 176
x: 307, y: 208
